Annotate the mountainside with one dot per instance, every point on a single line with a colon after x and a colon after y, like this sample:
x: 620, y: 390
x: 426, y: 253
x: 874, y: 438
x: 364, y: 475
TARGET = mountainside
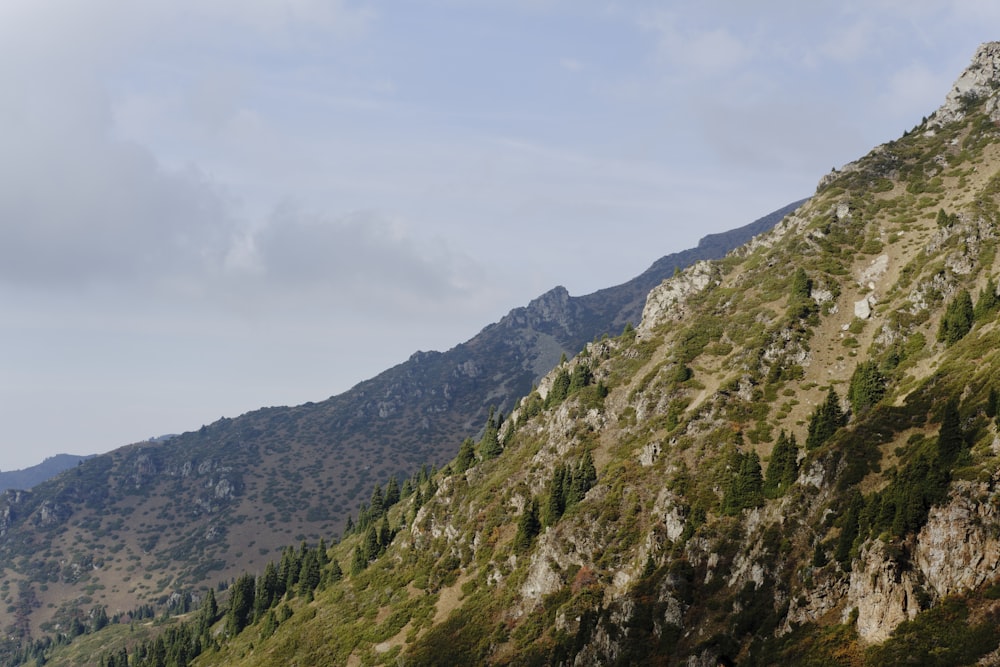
x: 36, y: 474
x: 793, y: 459
x: 157, y: 519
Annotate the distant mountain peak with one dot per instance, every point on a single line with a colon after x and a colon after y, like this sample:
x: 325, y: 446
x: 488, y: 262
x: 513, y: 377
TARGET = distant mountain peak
x: 979, y: 81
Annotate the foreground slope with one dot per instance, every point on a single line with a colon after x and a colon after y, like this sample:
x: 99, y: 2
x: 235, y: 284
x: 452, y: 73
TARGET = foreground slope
x: 150, y: 521
x: 793, y: 459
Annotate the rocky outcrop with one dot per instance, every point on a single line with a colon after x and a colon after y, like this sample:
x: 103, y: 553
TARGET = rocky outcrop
x: 666, y: 302
x: 979, y: 81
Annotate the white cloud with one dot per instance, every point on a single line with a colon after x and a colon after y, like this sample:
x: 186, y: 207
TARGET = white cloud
x: 697, y: 50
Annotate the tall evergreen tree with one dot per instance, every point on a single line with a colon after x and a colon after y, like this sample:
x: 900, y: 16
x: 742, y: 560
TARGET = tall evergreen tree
x: 392, y: 492
x: 528, y: 526
x: 466, y: 456
x: 556, y: 501
x: 559, y: 389
x: 957, y: 320
x: 370, y: 544
x: 358, y: 560
x: 335, y: 572
x: 209, y: 608
x: 377, y: 504
x: 825, y: 421
x: 489, y: 445
x: 988, y: 301
x: 867, y: 387
x: 783, y: 469
x: 950, y: 438
x: 241, y: 602
x: 267, y: 590
x: 310, y: 576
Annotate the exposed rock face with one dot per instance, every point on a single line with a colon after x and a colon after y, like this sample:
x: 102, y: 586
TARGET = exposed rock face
x: 978, y: 81
x: 958, y: 548
x: 666, y: 302
x: 883, y: 591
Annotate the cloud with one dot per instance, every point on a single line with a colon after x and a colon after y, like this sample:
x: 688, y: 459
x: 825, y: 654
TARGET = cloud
x: 915, y: 87
x: 696, y: 50
x: 360, y: 258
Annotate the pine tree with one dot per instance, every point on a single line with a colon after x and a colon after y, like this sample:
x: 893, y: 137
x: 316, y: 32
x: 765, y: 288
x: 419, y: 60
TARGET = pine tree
x: 556, y: 501
x: 988, y: 301
x: 489, y: 445
x: 267, y: 590
x: 528, y: 527
x: 559, y: 389
x: 950, y: 438
x: 392, y: 492
x: 783, y: 469
x: 384, y: 535
x: 581, y: 377
x: 466, y: 456
x: 310, y: 577
x: 957, y: 319
x: 825, y: 421
x: 745, y: 485
x: 371, y: 545
x: 377, y: 504
x: 867, y: 387
x: 335, y: 572
x: 358, y: 560
x: 209, y: 608
x: 241, y: 602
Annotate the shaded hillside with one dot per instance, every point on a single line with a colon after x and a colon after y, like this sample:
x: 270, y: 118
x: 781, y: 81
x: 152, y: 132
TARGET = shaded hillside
x: 29, y: 477
x: 793, y: 459
x: 157, y: 518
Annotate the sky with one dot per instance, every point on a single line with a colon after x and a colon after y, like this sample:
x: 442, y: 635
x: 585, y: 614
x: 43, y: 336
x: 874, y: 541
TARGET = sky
x: 210, y: 207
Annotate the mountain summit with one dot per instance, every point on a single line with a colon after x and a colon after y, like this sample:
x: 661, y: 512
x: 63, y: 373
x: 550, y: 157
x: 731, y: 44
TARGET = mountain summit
x: 979, y: 83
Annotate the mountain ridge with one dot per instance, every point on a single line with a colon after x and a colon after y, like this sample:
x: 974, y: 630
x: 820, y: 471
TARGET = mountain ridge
x: 795, y: 461
x: 181, y: 510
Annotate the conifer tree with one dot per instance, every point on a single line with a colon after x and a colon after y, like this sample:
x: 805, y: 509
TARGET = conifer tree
x: 391, y: 492
x: 358, y: 560
x: 528, y: 526
x: 867, y: 387
x: 825, y: 421
x: 466, y: 456
x: 267, y: 590
x: 489, y: 445
x: 957, y: 319
x: 988, y: 301
x: 950, y: 438
x: 783, y: 469
x: 209, y: 608
x: 310, y: 577
x: 241, y: 602
x: 377, y: 504
x: 335, y: 573
x: 384, y: 535
x: 559, y: 389
x: 371, y: 545
x: 581, y: 377
x: 556, y: 501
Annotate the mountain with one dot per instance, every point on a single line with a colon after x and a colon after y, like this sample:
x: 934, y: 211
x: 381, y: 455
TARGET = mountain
x: 36, y: 474
x: 794, y: 458
x: 153, y: 520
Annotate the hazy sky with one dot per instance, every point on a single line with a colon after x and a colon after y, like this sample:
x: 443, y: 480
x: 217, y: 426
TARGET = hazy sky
x: 209, y: 207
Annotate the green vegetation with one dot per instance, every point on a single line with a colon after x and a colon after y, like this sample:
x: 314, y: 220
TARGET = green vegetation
x: 825, y: 420
x: 957, y: 320
x: 867, y: 387
x: 783, y: 468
